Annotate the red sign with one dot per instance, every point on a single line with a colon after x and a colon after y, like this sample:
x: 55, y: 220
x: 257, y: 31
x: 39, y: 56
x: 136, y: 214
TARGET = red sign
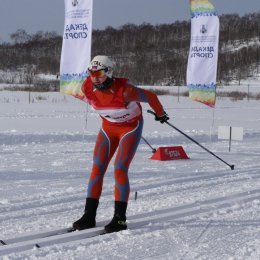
x: 169, y: 153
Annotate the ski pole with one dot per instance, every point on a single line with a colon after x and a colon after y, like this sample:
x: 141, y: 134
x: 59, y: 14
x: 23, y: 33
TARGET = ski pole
x: 166, y: 122
x: 153, y: 149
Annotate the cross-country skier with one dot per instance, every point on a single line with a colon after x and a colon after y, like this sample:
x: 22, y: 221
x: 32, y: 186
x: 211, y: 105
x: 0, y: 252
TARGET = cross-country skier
x: 117, y: 101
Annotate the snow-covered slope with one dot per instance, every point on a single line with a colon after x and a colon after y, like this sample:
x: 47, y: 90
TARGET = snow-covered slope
x: 186, y: 209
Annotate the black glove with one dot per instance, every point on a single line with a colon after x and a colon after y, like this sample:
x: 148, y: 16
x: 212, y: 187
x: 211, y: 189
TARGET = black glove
x: 164, y: 118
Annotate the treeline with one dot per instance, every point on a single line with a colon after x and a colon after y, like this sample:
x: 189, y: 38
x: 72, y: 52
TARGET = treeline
x: 147, y: 54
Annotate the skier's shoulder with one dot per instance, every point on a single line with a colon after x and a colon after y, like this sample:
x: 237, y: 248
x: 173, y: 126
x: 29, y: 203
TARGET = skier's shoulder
x: 121, y: 81
x: 86, y: 85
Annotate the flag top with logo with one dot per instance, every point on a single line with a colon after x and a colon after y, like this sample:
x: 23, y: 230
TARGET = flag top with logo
x: 202, y: 8
x: 203, y: 54
x: 76, y: 46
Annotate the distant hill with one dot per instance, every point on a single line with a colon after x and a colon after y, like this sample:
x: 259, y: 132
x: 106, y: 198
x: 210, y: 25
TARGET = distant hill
x: 147, y: 54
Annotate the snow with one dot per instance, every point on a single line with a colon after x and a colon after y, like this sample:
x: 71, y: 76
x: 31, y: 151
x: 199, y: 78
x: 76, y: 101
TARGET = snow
x: 196, y: 209
x: 237, y: 45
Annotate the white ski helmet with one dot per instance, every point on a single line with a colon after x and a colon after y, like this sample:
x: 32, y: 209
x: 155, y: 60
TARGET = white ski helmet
x: 102, y: 62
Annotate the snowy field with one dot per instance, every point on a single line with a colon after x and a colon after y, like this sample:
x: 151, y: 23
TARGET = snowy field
x: 186, y: 209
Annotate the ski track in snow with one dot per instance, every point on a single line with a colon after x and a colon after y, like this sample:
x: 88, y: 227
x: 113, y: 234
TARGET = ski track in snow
x: 193, y: 209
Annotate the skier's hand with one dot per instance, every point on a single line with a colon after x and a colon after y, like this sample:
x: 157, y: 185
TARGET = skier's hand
x: 163, y: 118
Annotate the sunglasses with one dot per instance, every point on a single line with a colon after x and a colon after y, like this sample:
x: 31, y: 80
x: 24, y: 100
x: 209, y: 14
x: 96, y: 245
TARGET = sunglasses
x: 97, y: 73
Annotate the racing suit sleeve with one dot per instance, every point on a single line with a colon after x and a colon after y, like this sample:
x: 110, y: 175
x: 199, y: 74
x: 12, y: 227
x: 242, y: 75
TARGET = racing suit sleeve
x: 132, y: 93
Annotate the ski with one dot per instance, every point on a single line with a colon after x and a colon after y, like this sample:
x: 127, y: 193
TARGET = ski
x: 36, y: 235
x: 39, y: 235
x: 50, y: 240
x: 63, y: 236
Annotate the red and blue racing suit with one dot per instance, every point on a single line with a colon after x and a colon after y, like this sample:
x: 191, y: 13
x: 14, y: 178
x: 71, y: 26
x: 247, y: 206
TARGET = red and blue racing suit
x: 122, y: 124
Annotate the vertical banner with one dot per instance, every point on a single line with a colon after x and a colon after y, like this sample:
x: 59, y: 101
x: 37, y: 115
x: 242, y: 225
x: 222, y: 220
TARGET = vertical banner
x: 203, y: 54
x: 76, y: 46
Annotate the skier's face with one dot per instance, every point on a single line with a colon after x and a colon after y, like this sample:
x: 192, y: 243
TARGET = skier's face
x: 97, y: 77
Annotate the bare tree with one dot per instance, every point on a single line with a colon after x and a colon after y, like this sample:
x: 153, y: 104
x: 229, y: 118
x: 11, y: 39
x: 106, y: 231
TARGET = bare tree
x: 20, y: 36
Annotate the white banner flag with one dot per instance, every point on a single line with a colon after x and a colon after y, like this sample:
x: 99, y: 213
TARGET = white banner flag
x: 203, y: 55
x: 76, y: 46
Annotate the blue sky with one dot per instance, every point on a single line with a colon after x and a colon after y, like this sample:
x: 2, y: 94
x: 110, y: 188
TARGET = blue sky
x: 48, y: 15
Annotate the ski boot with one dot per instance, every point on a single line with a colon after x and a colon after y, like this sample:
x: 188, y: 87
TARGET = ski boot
x: 88, y: 220
x: 118, y: 222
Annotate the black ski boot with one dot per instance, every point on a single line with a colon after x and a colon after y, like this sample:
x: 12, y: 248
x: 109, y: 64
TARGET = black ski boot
x: 88, y: 220
x: 118, y: 222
